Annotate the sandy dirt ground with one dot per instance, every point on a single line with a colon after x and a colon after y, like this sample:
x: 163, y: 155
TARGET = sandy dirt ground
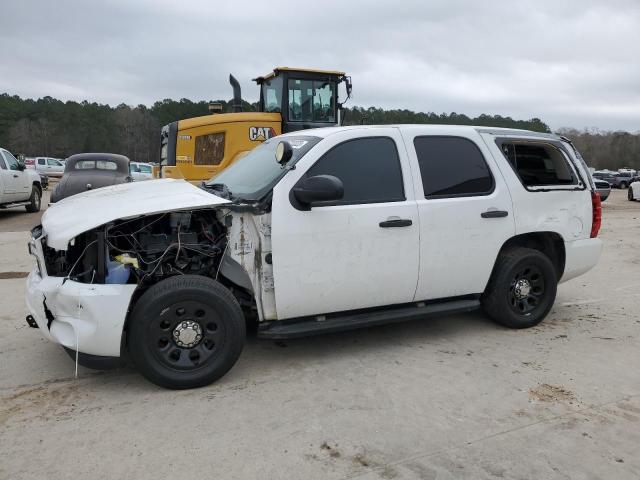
x: 455, y: 397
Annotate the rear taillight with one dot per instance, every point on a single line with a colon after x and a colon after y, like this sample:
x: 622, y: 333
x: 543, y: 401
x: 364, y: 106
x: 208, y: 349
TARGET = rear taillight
x: 596, y: 203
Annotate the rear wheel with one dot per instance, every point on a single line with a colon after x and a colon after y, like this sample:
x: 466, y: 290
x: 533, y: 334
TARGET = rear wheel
x: 623, y: 185
x: 630, y: 194
x: 34, y: 200
x: 522, y: 288
x: 186, y: 332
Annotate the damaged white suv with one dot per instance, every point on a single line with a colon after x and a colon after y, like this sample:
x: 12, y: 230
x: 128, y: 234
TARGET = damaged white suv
x: 317, y: 231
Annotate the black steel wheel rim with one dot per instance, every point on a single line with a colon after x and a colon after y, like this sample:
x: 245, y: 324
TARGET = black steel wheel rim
x: 526, y: 291
x: 162, y: 339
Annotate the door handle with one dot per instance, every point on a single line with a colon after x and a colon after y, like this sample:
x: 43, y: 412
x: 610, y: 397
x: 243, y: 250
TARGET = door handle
x: 396, y: 222
x: 494, y: 214
x: 15, y: 175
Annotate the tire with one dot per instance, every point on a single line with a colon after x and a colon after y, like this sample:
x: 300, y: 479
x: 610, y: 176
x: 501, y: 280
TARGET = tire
x: 510, y: 298
x: 34, y: 200
x: 623, y: 185
x: 179, y: 304
x: 630, y: 194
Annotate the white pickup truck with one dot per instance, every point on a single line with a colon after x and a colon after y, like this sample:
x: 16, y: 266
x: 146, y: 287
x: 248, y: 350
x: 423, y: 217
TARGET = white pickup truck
x: 312, y: 232
x: 51, y: 167
x: 19, y: 186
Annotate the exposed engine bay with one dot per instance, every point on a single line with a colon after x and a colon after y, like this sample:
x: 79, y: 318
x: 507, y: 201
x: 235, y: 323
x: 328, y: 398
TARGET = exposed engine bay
x: 143, y: 250
x: 231, y: 247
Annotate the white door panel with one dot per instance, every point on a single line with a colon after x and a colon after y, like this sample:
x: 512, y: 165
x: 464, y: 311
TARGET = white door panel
x: 13, y: 179
x: 6, y: 184
x: 338, y: 258
x: 458, y: 247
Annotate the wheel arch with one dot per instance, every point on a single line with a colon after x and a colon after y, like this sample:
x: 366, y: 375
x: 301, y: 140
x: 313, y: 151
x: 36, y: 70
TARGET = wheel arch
x: 549, y: 243
x: 237, y: 290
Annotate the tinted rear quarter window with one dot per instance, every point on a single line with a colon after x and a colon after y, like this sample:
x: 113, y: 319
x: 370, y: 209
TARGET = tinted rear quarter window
x: 538, y: 164
x: 369, y: 169
x: 452, y: 167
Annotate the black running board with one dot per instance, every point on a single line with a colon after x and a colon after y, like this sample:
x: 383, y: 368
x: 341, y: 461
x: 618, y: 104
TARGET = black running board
x: 321, y: 324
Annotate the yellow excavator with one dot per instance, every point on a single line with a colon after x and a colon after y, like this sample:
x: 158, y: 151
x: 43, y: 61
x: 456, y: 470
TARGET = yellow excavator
x: 290, y: 99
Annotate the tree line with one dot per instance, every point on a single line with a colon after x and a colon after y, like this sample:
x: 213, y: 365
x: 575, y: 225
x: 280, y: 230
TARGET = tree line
x: 55, y: 128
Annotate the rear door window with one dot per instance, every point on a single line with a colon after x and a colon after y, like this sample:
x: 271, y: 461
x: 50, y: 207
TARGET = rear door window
x: 452, y: 167
x: 539, y: 164
x: 369, y: 169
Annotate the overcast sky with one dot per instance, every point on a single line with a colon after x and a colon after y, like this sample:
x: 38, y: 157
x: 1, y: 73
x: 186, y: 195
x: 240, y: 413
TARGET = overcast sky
x: 570, y: 63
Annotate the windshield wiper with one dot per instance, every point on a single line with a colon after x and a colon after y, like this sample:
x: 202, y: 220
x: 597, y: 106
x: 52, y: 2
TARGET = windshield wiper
x: 220, y: 189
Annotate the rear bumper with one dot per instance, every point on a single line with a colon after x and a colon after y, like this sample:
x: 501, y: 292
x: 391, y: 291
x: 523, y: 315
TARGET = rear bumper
x: 581, y: 256
x: 89, y: 318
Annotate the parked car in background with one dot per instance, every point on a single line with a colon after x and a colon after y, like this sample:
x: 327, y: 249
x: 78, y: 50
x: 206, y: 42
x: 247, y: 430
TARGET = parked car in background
x: 88, y: 171
x: 19, y: 186
x: 622, y: 180
x: 51, y: 167
x: 606, y: 176
x: 315, y: 231
x: 603, y: 188
x: 616, y: 180
x: 141, y: 171
x: 634, y: 191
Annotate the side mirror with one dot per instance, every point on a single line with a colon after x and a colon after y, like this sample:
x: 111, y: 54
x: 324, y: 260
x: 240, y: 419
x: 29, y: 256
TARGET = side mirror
x: 321, y: 188
x: 21, y: 166
x: 284, y: 152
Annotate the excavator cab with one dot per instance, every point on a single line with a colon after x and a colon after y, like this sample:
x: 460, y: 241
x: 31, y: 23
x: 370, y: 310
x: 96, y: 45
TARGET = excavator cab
x: 291, y: 99
x: 304, y: 98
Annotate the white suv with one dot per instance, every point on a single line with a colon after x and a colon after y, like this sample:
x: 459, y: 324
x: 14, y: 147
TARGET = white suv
x: 311, y: 232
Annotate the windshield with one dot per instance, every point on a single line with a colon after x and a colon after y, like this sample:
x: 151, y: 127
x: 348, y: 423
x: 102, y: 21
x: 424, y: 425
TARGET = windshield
x: 255, y: 174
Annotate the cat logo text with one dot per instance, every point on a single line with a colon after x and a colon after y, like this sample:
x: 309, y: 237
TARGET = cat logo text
x: 260, y: 134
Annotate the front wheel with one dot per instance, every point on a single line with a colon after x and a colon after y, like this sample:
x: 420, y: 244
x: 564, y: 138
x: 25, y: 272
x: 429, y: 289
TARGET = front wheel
x: 630, y: 194
x: 522, y: 288
x: 623, y: 185
x: 34, y: 200
x: 186, y: 332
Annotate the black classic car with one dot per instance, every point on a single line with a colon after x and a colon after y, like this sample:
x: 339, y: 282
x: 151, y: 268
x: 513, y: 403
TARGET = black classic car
x: 87, y: 171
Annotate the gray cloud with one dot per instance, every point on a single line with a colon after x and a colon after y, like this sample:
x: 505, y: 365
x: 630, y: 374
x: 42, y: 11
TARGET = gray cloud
x: 571, y: 63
